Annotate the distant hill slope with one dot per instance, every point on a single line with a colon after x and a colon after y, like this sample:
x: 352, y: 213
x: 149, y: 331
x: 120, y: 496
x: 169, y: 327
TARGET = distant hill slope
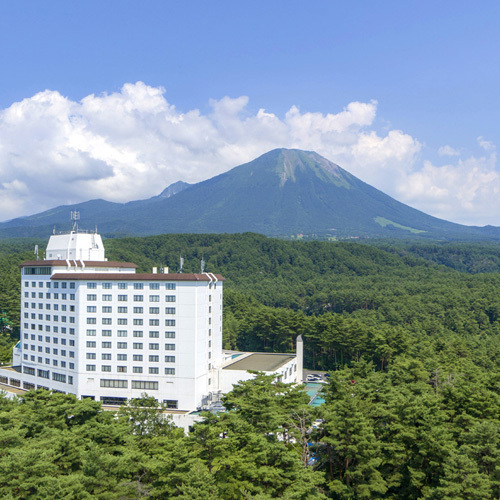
x: 281, y: 193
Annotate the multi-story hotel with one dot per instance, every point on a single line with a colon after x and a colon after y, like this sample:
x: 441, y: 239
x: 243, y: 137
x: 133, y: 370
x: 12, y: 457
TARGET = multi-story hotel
x: 100, y: 330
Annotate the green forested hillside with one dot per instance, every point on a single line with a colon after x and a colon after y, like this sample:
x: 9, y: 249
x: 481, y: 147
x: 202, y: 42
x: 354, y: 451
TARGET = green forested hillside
x: 409, y: 333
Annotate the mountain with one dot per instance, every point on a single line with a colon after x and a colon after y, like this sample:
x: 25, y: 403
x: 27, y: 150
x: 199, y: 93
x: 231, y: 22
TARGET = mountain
x: 174, y: 188
x: 282, y: 193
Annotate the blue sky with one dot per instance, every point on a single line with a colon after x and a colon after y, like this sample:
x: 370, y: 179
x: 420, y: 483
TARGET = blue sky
x: 428, y: 73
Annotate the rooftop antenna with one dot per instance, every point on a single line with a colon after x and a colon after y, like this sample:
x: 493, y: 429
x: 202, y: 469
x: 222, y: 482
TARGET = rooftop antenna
x: 181, y: 262
x: 75, y: 216
x: 202, y: 263
x: 36, y: 252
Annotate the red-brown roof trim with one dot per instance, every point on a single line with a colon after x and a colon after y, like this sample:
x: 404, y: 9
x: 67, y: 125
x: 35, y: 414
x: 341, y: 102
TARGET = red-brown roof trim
x: 134, y: 277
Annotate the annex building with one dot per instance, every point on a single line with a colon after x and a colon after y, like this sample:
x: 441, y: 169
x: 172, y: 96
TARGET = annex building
x: 98, y: 329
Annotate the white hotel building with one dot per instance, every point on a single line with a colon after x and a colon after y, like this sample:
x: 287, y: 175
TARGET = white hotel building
x: 97, y: 329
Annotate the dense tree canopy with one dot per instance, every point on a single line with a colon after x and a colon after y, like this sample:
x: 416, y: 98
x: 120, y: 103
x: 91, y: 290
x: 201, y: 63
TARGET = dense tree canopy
x: 410, y: 333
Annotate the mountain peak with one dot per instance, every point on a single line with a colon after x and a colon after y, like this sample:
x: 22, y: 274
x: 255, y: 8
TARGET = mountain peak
x: 288, y: 162
x: 174, y: 188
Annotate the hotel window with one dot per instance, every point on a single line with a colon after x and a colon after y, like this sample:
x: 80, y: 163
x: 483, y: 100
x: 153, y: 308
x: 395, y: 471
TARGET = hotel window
x: 154, y: 358
x: 106, y: 333
x: 138, y: 286
x: 122, y: 321
x: 122, y: 286
x: 154, y: 298
x: 91, y: 297
x: 169, y: 310
x: 153, y: 370
x: 137, y: 357
x: 154, y: 286
x: 122, y: 298
x: 72, y: 285
x: 154, y: 310
x: 169, y: 371
x: 137, y: 345
x: 138, y: 322
x: 106, y: 356
x: 122, y: 310
x: 138, y: 298
x: 122, y: 333
x: 107, y: 309
x: 91, y: 355
x: 170, y: 335
x: 107, y: 321
x: 154, y: 334
x: 122, y: 345
x: 169, y: 359
x: 91, y: 309
x: 90, y: 368
x: 121, y: 369
x: 91, y: 321
x: 138, y: 333
x: 91, y: 285
x: 170, y: 322
x: 171, y: 404
x: 170, y: 286
x: 170, y: 347
x: 137, y: 369
x: 154, y: 322
x: 107, y: 286
x: 142, y: 384
x: 121, y: 357
x: 106, y: 345
x: 169, y: 298
x: 116, y: 384
x: 106, y: 368
x: 90, y: 344
x: 154, y: 347
x: 138, y: 310
x: 107, y: 298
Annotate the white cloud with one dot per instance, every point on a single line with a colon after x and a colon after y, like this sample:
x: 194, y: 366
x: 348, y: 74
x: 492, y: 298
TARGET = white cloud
x: 131, y: 144
x: 486, y: 145
x: 448, y: 151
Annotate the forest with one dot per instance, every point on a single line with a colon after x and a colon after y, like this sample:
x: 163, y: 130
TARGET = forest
x: 409, y: 332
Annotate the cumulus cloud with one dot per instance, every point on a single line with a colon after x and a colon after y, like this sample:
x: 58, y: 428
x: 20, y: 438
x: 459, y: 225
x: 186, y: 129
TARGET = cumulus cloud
x: 131, y: 144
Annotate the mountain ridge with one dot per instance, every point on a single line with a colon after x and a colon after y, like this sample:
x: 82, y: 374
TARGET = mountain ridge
x: 285, y: 192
